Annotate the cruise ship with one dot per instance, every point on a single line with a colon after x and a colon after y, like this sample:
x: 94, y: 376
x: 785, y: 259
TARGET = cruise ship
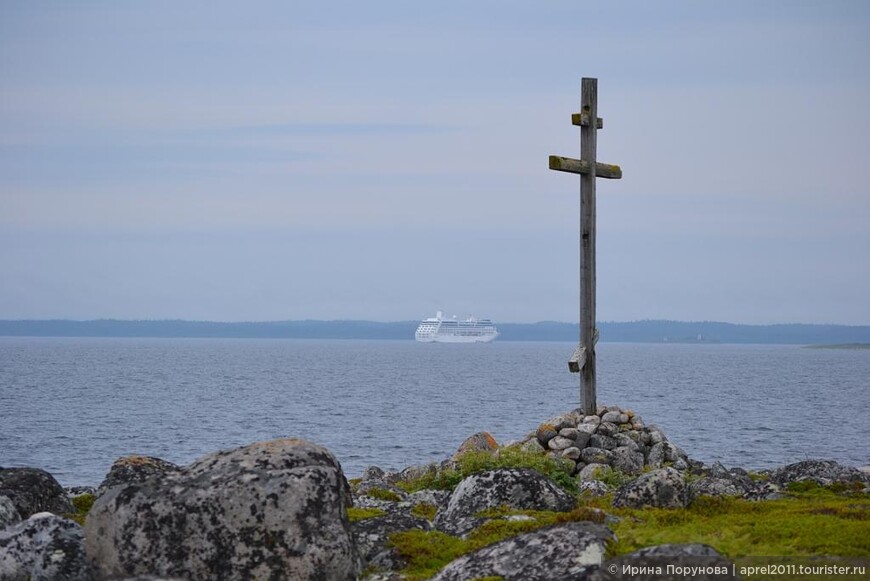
x: 437, y: 329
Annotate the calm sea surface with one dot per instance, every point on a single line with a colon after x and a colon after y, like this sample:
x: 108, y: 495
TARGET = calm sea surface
x: 72, y: 406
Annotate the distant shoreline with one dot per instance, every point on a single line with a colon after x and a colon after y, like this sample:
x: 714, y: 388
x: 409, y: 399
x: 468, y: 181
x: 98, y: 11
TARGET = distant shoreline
x: 847, y: 346
x: 705, y: 332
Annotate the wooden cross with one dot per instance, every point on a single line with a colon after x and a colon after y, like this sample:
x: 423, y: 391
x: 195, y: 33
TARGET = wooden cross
x: 583, y: 359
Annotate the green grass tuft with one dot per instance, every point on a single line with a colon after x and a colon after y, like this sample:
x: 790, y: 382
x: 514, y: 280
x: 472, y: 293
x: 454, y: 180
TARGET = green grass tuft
x: 424, y: 510
x: 356, y: 514
x: 473, y: 462
x: 83, y: 504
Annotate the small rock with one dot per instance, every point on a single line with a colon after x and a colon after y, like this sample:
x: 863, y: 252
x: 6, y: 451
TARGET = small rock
x: 32, y: 490
x: 596, y: 456
x: 663, y: 488
x: 571, y: 453
x: 656, y: 436
x: 570, y: 433
x: 607, y: 429
x: 665, y: 452
x: 591, y: 420
x: 626, y: 460
x: 545, y: 433
x: 603, y: 442
x: 628, y: 439
x: 587, y: 428
x: 559, y: 443
x: 615, y: 417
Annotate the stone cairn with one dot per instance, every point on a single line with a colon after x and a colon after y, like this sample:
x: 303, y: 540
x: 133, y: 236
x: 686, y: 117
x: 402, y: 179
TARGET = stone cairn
x: 613, y: 437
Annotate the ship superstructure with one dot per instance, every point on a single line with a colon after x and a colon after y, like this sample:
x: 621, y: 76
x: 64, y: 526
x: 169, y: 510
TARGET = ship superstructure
x: 437, y: 329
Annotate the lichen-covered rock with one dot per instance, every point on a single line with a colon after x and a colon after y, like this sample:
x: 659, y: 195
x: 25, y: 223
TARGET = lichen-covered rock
x: 519, y: 488
x: 545, y: 433
x: 593, y: 455
x: 603, y: 442
x: 131, y: 469
x: 560, y: 443
x: 272, y: 509
x: 715, y: 487
x: 824, y: 472
x: 45, y: 547
x: 607, y: 429
x: 558, y: 552
x: 663, y: 488
x: 8, y: 513
x: 372, y: 534
x: 32, y: 490
x: 572, y: 453
x: 593, y: 489
x: 626, y: 460
x: 479, y: 442
x: 643, y: 565
x: 665, y: 452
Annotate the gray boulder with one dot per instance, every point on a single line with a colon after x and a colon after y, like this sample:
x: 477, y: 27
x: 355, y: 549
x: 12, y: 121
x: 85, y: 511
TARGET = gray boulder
x: 663, y: 488
x: 32, y: 490
x: 823, y: 472
x: 44, y: 547
x: 626, y: 460
x: 642, y: 565
x: 271, y: 509
x: 130, y: 469
x: 665, y: 452
x: 563, y: 551
x: 8, y: 513
x: 596, y: 456
x: 519, y: 488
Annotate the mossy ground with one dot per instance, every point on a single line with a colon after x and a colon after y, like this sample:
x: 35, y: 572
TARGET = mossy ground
x: 810, y: 521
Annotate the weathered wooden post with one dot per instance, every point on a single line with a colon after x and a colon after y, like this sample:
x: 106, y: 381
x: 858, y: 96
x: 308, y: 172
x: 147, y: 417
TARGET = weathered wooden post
x: 583, y: 359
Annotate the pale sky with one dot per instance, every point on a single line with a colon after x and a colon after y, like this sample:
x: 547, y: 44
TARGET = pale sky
x: 380, y: 160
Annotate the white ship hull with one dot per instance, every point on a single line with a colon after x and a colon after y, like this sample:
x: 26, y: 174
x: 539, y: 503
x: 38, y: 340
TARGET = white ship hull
x: 470, y: 330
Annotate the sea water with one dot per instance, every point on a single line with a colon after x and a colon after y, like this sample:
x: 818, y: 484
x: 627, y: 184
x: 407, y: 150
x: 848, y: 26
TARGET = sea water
x: 73, y: 405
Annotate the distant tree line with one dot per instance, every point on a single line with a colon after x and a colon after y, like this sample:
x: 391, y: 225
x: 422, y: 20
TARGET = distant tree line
x: 636, y: 331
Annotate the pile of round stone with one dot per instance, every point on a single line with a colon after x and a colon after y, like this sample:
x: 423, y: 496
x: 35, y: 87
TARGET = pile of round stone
x: 612, y: 437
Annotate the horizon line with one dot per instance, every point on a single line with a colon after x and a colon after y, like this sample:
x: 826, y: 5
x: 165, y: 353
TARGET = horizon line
x: 280, y: 321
